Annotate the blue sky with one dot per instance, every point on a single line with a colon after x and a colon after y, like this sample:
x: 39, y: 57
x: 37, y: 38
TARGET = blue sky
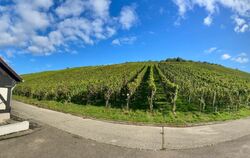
x: 47, y: 35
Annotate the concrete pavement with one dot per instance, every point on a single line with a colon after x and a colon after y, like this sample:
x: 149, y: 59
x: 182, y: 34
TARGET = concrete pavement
x: 50, y: 142
x: 131, y: 136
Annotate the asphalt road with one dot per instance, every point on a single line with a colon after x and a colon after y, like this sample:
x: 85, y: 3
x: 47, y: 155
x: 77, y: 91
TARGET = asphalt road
x: 138, y: 137
x: 50, y: 142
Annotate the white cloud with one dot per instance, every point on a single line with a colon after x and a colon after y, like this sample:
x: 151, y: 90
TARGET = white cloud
x: 101, y: 7
x: 39, y: 20
x: 7, y: 39
x: 124, y: 40
x: 116, y: 42
x: 46, y: 4
x: 225, y: 56
x: 241, y: 58
x: 41, y: 44
x: 208, y: 20
x: 128, y: 17
x: 56, y: 38
x: 183, y: 5
x: 70, y: 8
x: 241, y: 25
x: 43, y: 27
x: 240, y: 8
x: 211, y: 50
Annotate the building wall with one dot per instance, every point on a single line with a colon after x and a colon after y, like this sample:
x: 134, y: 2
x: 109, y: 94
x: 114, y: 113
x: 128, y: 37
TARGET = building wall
x: 5, y: 79
x: 4, y: 117
x: 3, y: 92
x: 6, y: 83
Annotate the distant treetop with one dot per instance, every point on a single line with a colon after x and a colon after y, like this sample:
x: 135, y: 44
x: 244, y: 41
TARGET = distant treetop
x: 178, y: 59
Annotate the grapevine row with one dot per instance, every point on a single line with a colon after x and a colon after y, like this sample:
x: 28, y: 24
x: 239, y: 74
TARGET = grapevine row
x: 90, y: 85
x: 151, y: 87
x: 200, y: 85
x: 171, y: 89
x: 133, y: 86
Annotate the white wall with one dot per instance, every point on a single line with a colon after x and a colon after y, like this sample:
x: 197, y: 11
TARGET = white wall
x: 14, y: 127
x: 4, y: 93
x: 4, y: 117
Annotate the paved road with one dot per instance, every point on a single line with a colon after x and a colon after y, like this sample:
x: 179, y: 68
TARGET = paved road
x: 50, y: 142
x: 139, y: 137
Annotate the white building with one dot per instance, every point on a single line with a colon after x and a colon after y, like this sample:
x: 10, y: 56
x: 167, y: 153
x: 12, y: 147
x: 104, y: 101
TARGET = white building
x: 8, y: 80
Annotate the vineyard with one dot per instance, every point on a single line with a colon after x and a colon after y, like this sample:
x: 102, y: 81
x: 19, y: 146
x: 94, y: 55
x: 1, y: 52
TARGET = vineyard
x: 168, y: 86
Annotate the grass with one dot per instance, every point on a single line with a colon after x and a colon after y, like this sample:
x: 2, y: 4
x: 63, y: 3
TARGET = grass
x: 136, y: 116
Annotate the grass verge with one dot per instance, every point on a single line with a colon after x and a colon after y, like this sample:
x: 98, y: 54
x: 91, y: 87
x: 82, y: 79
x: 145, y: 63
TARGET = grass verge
x: 136, y: 116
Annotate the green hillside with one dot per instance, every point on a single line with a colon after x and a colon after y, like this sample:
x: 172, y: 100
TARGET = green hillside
x: 157, y: 87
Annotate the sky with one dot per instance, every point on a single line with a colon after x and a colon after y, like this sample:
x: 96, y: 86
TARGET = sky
x: 45, y: 35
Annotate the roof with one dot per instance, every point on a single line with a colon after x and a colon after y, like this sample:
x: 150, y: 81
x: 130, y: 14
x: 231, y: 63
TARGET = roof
x: 10, y: 71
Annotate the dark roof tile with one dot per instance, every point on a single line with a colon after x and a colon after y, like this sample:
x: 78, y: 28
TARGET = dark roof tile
x: 10, y: 71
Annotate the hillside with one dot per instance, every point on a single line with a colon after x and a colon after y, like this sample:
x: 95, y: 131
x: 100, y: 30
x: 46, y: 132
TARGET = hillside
x: 154, y: 86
